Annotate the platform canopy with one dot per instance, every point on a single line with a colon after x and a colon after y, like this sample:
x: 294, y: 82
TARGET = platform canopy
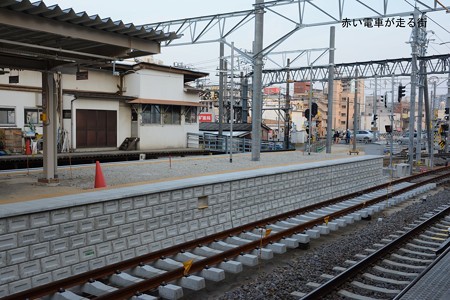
x: 37, y: 37
x: 34, y: 36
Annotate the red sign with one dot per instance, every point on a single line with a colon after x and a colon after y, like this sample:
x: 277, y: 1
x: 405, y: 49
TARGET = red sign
x: 206, y: 118
x: 271, y: 90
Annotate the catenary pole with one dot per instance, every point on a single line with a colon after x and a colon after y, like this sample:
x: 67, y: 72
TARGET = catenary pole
x: 355, y: 111
x: 412, y: 101
x: 231, y: 101
x: 391, y: 138
x: 447, y: 105
x: 221, y: 92
x: 287, y: 106
x: 257, y: 80
x: 330, y: 89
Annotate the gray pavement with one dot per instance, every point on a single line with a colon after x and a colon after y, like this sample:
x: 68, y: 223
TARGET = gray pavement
x: 22, y: 185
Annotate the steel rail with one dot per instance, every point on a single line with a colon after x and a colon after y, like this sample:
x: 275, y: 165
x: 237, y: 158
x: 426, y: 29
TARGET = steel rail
x: 79, y: 279
x: 334, y: 283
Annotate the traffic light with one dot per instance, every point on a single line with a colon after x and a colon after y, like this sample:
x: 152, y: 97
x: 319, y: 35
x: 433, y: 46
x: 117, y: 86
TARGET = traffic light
x: 447, y: 110
x: 382, y: 98
x: 314, y: 109
x: 375, y: 118
x: 307, y: 113
x: 401, y: 92
x: 388, y: 128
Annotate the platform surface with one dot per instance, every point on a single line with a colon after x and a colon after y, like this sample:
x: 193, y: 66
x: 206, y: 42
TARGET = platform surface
x: 22, y: 185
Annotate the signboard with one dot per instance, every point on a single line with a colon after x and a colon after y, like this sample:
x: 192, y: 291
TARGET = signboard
x: 13, y: 79
x: 205, y: 118
x: 82, y: 75
x: 271, y: 91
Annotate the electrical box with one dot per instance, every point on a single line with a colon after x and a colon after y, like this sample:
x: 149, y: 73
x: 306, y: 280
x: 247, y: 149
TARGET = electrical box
x: 43, y: 117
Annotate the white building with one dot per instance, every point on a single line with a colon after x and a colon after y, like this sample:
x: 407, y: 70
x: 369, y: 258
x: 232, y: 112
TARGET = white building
x: 148, y: 101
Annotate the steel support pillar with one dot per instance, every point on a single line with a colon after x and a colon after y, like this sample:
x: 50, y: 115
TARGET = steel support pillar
x: 49, y: 99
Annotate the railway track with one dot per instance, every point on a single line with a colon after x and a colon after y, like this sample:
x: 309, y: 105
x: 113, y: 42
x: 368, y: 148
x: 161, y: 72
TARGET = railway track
x: 383, y: 272
x: 190, y: 265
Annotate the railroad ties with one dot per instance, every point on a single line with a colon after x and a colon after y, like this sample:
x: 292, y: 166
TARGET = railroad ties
x: 197, y: 280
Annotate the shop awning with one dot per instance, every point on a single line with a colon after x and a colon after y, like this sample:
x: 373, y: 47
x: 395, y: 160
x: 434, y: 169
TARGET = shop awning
x: 165, y: 102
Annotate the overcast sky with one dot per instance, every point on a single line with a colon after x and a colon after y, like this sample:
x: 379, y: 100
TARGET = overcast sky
x: 352, y: 44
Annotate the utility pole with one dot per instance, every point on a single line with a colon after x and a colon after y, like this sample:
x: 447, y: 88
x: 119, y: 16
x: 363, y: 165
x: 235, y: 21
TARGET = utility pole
x: 287, y: 107
x: 355, y: 112
x: 447, y: 105
x: 391, y: 139
x: 375, y: 99
x: 428, y: 119
x: 257, y: 80
x: 412, y: 110
x: 221, y: 92
x: 310, y: 131
x: 330, y: 90
x: 422, y: 51
x: 232, y: 102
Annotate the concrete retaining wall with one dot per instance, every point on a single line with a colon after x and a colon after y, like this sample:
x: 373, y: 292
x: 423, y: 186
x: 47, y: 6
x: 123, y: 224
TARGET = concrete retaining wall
x: 50, y: 239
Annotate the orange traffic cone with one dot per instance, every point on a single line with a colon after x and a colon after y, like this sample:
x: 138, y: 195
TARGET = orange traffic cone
x: 99, y: 179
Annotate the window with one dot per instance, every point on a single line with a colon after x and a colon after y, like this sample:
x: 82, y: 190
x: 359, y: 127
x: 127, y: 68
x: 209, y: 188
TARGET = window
x: 151, y: 114
x: 190, y: 114
x: 171, y: 114
x: 7, y: 116
x: 31, y: 116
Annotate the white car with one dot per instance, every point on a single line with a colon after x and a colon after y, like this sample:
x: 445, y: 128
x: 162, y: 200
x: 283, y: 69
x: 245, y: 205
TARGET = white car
x: 365, y: 136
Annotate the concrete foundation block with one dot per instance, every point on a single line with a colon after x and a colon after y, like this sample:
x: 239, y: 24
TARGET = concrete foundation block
x: 168, y: 264
x: 341, y: 222
x: 124, y: 279
x: 263, y: 253
x: 277, y: 248
x: 147, y: 271
x: 144, y: 297
x: 192, y: 282
x: 97, y: 288
x: 250, y: 236
x: 187, y: 256
x: 248, y: 259
x: 297, y: 221
x: 234, y: 240
x: 286, y: 224
x: 333, y: 226
x: 206, y: 251
x: 231, y: 266
x: 222, y: 246
x: 302, y: 238
x: 67, y: 295
x: 290, y: 242
x: 323, y: 229
x: 213, y: 274
x: 170, y: 291
x: 312, y: 233
x: 348, y: 219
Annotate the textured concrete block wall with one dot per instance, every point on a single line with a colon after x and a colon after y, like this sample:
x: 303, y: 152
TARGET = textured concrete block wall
x: 50, y: 239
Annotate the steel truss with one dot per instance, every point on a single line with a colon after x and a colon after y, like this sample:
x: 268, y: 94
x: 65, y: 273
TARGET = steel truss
x: 436, y: 64
x: 195, y: 30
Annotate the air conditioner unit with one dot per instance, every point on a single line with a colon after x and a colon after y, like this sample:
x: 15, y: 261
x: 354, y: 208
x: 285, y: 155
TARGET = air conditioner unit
x: 38, y: 100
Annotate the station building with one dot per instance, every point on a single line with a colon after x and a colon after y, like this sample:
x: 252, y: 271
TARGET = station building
x: 99, y: 108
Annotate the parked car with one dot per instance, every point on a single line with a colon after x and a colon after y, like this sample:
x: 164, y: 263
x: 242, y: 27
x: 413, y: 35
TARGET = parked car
x: 365, y: 136
x: 404, y: 140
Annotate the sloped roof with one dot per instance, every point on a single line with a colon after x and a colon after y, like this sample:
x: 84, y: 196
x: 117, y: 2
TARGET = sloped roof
x: 36, y: 36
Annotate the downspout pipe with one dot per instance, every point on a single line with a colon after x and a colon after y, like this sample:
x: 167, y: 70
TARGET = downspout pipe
x: 71, y: 124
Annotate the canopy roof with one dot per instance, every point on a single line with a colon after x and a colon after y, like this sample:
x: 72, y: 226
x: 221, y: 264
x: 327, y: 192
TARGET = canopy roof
x: 34, y: 36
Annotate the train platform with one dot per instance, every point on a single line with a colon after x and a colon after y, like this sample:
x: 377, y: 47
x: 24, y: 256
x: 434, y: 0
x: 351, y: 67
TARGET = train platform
x: 434, y: 285
x: 22, y: 185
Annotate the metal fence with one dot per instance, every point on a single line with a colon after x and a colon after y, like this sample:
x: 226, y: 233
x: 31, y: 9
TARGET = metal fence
x: 222, y: 144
